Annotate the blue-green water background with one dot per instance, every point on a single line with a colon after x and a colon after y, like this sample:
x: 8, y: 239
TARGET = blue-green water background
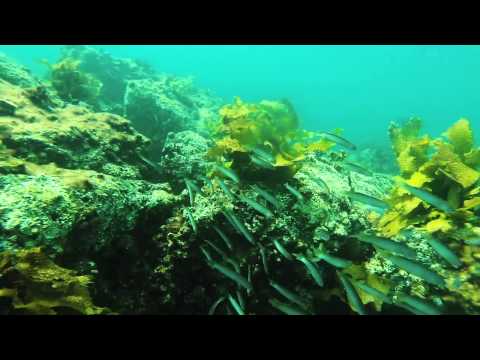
x: 359, y: 88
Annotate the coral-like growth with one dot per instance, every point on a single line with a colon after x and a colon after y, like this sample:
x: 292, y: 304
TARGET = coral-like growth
x: 37, y: 286
x: 72, y: 84
x: 271, y: 126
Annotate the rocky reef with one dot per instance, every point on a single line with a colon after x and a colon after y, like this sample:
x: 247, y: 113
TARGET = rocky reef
x: 139, y: 193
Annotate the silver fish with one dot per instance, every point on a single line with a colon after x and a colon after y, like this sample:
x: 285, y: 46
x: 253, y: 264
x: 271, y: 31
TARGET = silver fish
x: 419, y: 304
x: 260, y: 208
x: 263, y: 154
x: 320, y: 182
x: 322, y: 234
x: 228, y: 173
x: 206, y: 254
x: 357, y: 168
x: 215, y: 305
x: 289, y: 295
x: 282, y: 250
x: 388, y: 245
x: 473, y: 241
x: 445, y: 252
x: 263, y: 255
x: 261, y: 162
x: 334, y: 261
x: 235, y: 305
x: 224, y: 237
x: 286, y: 308
x: 217, y: 249
x: 367, y: 199
x: 239, y: 226
x: 207, y: 181
x: 193, y: 185
x: 416, y: 269
x: 151, y: 163
x: 191, y: 194
x: 266, y: 195
x: 429, y: 198
x: 312, y: 269
x: 295, y: 192
x: 352, y: 294
x: 225, y: 189
x: 232, y: 275
x: 372, y: 291
x: 191, y: 220
x: 339, y: 140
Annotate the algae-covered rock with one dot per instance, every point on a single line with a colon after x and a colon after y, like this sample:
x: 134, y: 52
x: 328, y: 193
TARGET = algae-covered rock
x: 38, y: 286
x: 72, y: 137
x: 16, y: 74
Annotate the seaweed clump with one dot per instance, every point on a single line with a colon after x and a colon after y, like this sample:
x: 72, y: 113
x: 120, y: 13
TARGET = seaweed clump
x: 36, y: 285
x: 72, y: 84
x: 446, y: 168
x: 271, y: 127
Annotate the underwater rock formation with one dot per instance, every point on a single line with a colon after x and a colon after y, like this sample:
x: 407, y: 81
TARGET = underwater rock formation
x: 72, y: 137
x: 70, y: 185
x: 168, y: 104
x: 113, y: 73
x: 155, y: 103
x: 182, y: 207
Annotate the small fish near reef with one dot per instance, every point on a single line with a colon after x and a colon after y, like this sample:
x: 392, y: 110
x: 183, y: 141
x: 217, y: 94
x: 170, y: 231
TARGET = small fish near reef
x: 339, y: 140
x: 357, y: 168
x: 367, y: 200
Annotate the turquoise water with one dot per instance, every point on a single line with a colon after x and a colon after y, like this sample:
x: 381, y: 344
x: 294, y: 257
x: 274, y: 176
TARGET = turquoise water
x: 358, y: 88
